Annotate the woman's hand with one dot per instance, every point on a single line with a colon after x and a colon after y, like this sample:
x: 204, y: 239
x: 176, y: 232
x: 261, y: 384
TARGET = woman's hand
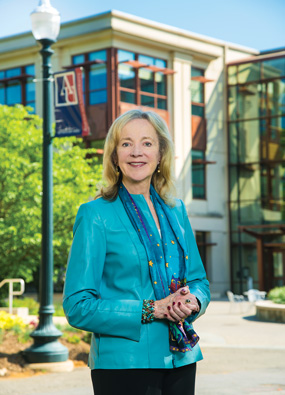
x: 176, y: 306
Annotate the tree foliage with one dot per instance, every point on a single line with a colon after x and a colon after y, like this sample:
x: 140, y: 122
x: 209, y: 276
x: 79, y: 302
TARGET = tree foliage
x: 75, y: 173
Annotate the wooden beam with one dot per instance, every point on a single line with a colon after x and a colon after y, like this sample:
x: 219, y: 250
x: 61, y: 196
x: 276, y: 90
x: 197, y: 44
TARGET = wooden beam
x: 259, y: 247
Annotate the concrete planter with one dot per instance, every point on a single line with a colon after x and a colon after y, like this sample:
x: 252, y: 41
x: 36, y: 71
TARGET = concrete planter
x: 20, y: 311
x: 267, y: 310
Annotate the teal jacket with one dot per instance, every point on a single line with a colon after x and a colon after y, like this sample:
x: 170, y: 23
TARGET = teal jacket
x: 107, y: 279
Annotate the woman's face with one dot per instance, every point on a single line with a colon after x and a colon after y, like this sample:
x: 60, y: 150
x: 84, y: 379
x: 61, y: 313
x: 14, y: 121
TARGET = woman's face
x: 138, y: 153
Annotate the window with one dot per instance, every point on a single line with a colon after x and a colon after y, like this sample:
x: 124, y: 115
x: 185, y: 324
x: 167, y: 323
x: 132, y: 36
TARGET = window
x: 199, y: 133
x: 142, y: 80
x: 17, y: 86
x: 197, y: 92
x: 94, y: 76
x: 198, y: 175
x: 201, y: 244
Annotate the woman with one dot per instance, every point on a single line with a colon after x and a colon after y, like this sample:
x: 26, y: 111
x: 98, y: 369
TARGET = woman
x: 134, y: 277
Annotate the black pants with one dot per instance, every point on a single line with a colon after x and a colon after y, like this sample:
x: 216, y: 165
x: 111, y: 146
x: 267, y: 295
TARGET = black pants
x: 144, y: 381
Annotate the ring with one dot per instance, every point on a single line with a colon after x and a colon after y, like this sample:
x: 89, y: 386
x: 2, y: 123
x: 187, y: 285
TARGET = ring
x: 187, y: 301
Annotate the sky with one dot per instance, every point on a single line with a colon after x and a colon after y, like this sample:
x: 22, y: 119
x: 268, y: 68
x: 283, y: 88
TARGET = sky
x: 257, y: 24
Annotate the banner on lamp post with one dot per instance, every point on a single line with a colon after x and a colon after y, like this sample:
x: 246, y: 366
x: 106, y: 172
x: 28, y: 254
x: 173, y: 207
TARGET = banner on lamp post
x: 70, y: 115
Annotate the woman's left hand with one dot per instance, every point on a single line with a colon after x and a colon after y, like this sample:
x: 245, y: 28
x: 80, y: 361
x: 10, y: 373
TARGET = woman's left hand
x: 177, y: 306
x: 183, y: 306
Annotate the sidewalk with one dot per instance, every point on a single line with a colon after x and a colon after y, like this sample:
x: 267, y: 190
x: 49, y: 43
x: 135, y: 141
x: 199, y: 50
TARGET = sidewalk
x: 237, y: 327
x: 241, y: 356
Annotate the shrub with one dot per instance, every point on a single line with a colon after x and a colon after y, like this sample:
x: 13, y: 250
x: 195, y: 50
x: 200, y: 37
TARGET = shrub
x: 73, y: 339
x: 11, y: 322
x: 87, y: 337
x: 31, y: 303
x: 277, y: 295
x: 58, y: 309
x: 14, y: 324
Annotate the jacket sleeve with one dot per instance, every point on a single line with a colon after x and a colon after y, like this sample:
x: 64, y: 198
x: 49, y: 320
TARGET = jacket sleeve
x: 196, y: 275
x: 82, y: 304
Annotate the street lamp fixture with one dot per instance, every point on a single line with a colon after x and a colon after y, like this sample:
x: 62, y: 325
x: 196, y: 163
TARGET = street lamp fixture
x: 46, y: 348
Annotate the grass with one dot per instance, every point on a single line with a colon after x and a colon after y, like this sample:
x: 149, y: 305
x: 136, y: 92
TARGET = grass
x: 33, y: 305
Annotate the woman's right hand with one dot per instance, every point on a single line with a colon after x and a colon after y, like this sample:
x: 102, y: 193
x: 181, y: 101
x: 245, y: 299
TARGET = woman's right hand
x: 174, y: 307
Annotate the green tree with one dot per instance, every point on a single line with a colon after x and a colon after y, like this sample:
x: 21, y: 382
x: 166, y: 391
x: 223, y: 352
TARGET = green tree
x: 76, y: 175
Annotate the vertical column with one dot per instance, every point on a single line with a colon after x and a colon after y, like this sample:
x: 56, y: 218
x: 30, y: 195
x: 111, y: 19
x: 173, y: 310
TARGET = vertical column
x: 182, y: 124
x: 259, y: 247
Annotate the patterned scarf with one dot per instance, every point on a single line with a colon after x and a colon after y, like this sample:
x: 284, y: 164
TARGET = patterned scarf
x: 167, y: 259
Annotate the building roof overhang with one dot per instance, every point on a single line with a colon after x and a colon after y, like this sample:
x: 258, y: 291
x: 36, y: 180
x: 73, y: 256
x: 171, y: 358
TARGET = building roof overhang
x: 133, y: 27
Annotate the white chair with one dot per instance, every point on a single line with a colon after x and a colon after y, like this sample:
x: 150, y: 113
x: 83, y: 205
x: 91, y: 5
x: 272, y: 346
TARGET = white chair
x: 235, y: 300
x: 254, y: 295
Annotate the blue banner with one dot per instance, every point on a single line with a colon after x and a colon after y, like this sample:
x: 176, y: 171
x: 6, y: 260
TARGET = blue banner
x: 70, y: 115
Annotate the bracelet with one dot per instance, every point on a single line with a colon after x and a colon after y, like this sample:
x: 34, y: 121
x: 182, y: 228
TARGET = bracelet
x: 148, y: 311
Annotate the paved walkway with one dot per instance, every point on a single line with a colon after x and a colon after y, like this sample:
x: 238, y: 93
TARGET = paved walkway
x: 241, y: 356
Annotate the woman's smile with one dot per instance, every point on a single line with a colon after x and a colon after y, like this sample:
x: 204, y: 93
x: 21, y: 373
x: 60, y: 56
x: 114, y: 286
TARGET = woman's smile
x: 137, y: 164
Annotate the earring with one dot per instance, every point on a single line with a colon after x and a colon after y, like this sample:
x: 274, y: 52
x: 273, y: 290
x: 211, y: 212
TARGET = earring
x: 158, y: 169
x: 117, y: 170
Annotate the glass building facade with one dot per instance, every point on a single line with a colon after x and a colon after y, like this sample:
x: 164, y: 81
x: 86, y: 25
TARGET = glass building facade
x: 17, y: 86
x: 256, y: 155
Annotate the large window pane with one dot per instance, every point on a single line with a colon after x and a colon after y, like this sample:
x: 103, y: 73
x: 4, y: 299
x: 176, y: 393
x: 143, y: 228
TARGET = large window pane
x: 198, y: 175
x: 126, y: 72
x: 262, y: 99
x: 97, y: 77
x: 98, y: 55
x: 248, y: 72
x: 233, y: 183
x: 13, y: 93
x: 198, y: 192
x: 160, y: 83
x: 30, y: 69
x: 248, y: 100
x: 146, y: 80
x: 13, y: 72
x: 2, y: 94
x: 160, y: 63
x: 198, y: 110
x: 146, y: 60
x: 248, y: 146
x: 30, y: 90
x: 232, y: 75
x: 77, y: 59
x: 195, y: 72
x: 98, y: 97
x: 232, y: 102
x: 125, y: 56
x: 197, y: 92
x: 18, y: 90
x: 233, y: 142
x: 126, y: 76
x: 128, y: 97
x: 275, y: 96
x: 273, y: 68
x: 162, y: 104
x: 147, y: 101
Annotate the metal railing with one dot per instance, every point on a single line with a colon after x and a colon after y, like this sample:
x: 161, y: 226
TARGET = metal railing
x: 12, y: 293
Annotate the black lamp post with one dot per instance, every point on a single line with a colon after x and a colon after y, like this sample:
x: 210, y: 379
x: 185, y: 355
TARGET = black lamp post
x: 46, y: 347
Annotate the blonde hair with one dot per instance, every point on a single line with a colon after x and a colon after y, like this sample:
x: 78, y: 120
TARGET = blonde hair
x: 162, y: 181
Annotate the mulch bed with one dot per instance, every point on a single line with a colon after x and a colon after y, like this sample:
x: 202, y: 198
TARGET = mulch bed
x: 13, y: 364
